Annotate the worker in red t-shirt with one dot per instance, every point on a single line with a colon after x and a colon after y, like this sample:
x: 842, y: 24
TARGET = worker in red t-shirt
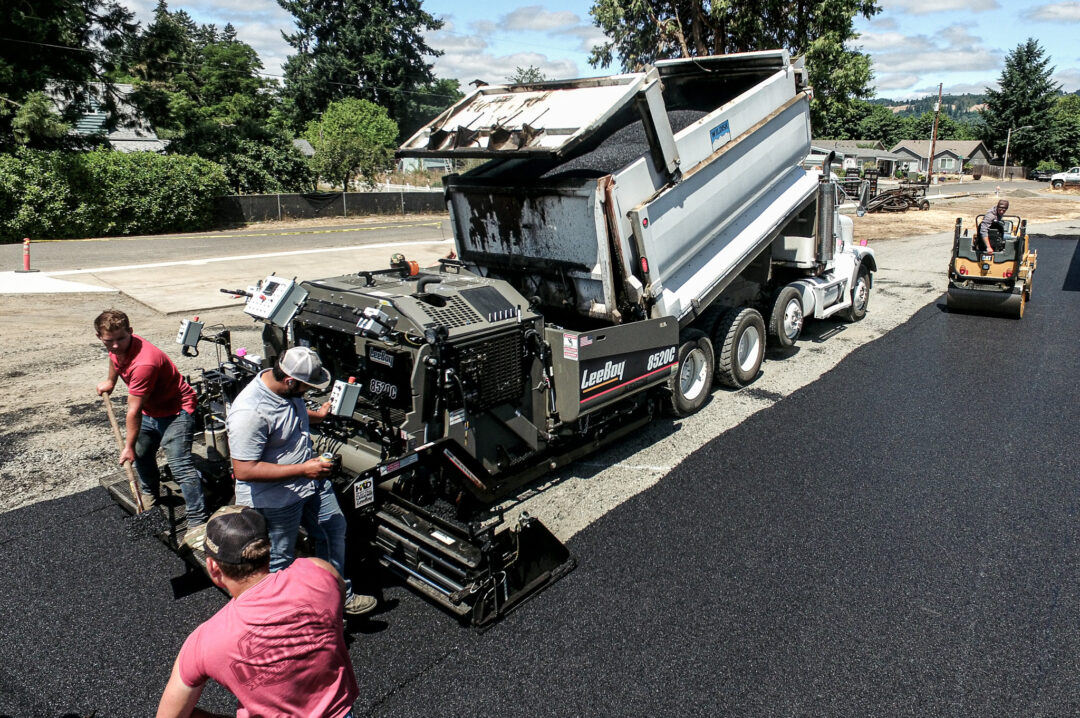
x: 160, y: 410
x: 279, y: 644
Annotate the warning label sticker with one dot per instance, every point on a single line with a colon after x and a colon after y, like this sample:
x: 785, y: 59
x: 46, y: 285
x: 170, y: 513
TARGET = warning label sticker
x: 570, y: 346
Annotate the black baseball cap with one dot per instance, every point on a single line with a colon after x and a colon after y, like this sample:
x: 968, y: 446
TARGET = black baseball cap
x: 232, y: 529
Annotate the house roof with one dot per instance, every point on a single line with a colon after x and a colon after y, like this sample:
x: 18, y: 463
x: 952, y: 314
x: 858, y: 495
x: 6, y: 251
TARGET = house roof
x: 959, y: 148
x: 859, y: 149
x: 304, y: 146
x: 845, y: 145
x: 136, y: 135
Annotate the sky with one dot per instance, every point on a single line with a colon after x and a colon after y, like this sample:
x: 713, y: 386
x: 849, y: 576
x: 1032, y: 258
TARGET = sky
x: 914, y: 44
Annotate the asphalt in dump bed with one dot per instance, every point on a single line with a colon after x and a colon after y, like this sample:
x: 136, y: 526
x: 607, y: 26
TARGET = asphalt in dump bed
x: 898, y: 538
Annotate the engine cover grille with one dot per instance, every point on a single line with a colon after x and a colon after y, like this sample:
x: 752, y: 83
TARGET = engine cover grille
x: 491, y: 370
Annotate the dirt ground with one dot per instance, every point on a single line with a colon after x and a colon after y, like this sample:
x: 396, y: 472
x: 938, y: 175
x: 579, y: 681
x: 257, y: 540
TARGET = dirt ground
x: 56, y: 439
x: 1032, y: 206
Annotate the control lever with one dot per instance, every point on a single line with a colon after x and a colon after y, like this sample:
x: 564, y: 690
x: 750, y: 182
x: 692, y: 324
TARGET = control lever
x: 236, y: 292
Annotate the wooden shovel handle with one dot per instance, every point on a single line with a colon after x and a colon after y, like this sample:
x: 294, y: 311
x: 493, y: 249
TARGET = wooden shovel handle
x: 135, y: 493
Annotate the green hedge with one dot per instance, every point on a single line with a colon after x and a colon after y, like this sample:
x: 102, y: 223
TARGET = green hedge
x: 94, y: 194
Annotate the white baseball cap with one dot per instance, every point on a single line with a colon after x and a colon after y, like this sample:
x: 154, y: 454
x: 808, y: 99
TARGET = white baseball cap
x: 303, y: 364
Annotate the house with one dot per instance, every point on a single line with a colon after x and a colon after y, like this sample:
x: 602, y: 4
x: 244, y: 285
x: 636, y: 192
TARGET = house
x: 949, y: 155
x: 857, y: 154
x: 134, y: 135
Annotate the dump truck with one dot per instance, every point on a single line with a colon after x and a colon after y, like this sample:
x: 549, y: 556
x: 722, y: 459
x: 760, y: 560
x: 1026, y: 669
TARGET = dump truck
x: 994, y: 282
x: 622, y: 244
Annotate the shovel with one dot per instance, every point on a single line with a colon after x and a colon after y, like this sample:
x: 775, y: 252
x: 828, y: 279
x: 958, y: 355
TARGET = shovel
x: 135, y: 493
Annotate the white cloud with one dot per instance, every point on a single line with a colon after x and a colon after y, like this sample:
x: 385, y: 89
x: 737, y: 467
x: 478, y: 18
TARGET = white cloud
x: 969, y: 88
x: 1069, y: 79
x: 267, y: 41
x: 884, y: 23
x: 537, y: 19
x: 1055, y: 12
x: 939, y: 61
x: 924, y: 7
x: 879, y: 41
x: 588, y: 36
x: 494, y: 69
x: 951, y: 49
x: 895, y: 81
x: 484, y: 27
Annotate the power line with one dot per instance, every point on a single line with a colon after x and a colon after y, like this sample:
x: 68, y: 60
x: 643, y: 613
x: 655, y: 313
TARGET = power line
x: 227, y: 70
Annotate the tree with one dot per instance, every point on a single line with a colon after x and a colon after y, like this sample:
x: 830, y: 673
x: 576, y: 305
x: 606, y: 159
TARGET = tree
x: 649, y: 31
x: 881, y: 123
x: 366, y: 49
x: 186, y: 74
x: 36, y: 124
x: 1026, y: 97
x: 256, y: 158
x: 353, y: 138
x: 523, y: 75
x: 61, y: 45
x: 1065, y: 132
x: 922, y: 127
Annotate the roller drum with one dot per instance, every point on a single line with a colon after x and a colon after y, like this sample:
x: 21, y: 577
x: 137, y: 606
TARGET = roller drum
x: 982, y: 301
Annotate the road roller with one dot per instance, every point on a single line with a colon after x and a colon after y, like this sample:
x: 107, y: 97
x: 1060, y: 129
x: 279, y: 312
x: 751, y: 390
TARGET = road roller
x: 997, y: 282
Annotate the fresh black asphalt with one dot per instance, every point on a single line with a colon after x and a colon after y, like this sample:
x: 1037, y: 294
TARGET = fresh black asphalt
x: 897, y: 538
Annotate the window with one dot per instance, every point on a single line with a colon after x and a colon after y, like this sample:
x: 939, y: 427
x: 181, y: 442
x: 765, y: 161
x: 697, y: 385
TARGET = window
x: 946, y: 163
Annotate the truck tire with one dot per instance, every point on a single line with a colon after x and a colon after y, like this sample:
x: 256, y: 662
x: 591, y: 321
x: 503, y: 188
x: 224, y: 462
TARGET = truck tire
x: 691, y: 381
x: 785, y: 318
x: 1057, y: 184
x: 741, y: 338
x: 860, y: 296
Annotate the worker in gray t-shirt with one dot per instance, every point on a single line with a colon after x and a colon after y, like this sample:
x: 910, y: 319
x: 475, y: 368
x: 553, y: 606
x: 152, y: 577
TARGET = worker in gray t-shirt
x: 994, y: 214
x: 276, y: 469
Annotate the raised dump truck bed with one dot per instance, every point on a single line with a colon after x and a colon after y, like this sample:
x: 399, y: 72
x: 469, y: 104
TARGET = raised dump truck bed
x: 643, y: 193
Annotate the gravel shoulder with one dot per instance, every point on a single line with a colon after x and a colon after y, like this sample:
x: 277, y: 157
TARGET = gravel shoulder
x: 56, y: 439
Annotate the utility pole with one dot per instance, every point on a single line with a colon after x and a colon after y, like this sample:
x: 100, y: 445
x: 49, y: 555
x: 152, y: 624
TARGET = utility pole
x: 933, y: 136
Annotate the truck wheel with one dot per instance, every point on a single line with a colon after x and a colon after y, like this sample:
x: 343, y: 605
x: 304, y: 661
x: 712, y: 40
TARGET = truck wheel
x: 692, y: 378
x: 1057, y: 184
x: 860, y: 296
x: 741, y: 337
x: 786, y: 318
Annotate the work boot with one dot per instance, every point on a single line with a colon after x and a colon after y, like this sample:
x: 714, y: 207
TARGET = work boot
x: 358, y: 605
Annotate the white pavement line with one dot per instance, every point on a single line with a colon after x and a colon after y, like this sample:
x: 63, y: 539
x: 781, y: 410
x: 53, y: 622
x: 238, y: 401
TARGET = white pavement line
x: 37, y: 283
x: 239, y: 257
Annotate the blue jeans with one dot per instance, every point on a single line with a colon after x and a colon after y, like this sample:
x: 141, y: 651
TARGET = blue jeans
x: 321, y: 516
x: 173, y: 434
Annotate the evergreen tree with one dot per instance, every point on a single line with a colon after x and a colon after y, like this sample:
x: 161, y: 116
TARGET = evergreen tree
x: 62, y: 45
x: 663, y: 29
x: 367, y: 49
x: 1025, y: 97
x: 186, y: 74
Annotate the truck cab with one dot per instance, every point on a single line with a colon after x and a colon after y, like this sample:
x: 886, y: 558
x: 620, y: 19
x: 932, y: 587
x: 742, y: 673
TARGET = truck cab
x: 1069, y: 177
